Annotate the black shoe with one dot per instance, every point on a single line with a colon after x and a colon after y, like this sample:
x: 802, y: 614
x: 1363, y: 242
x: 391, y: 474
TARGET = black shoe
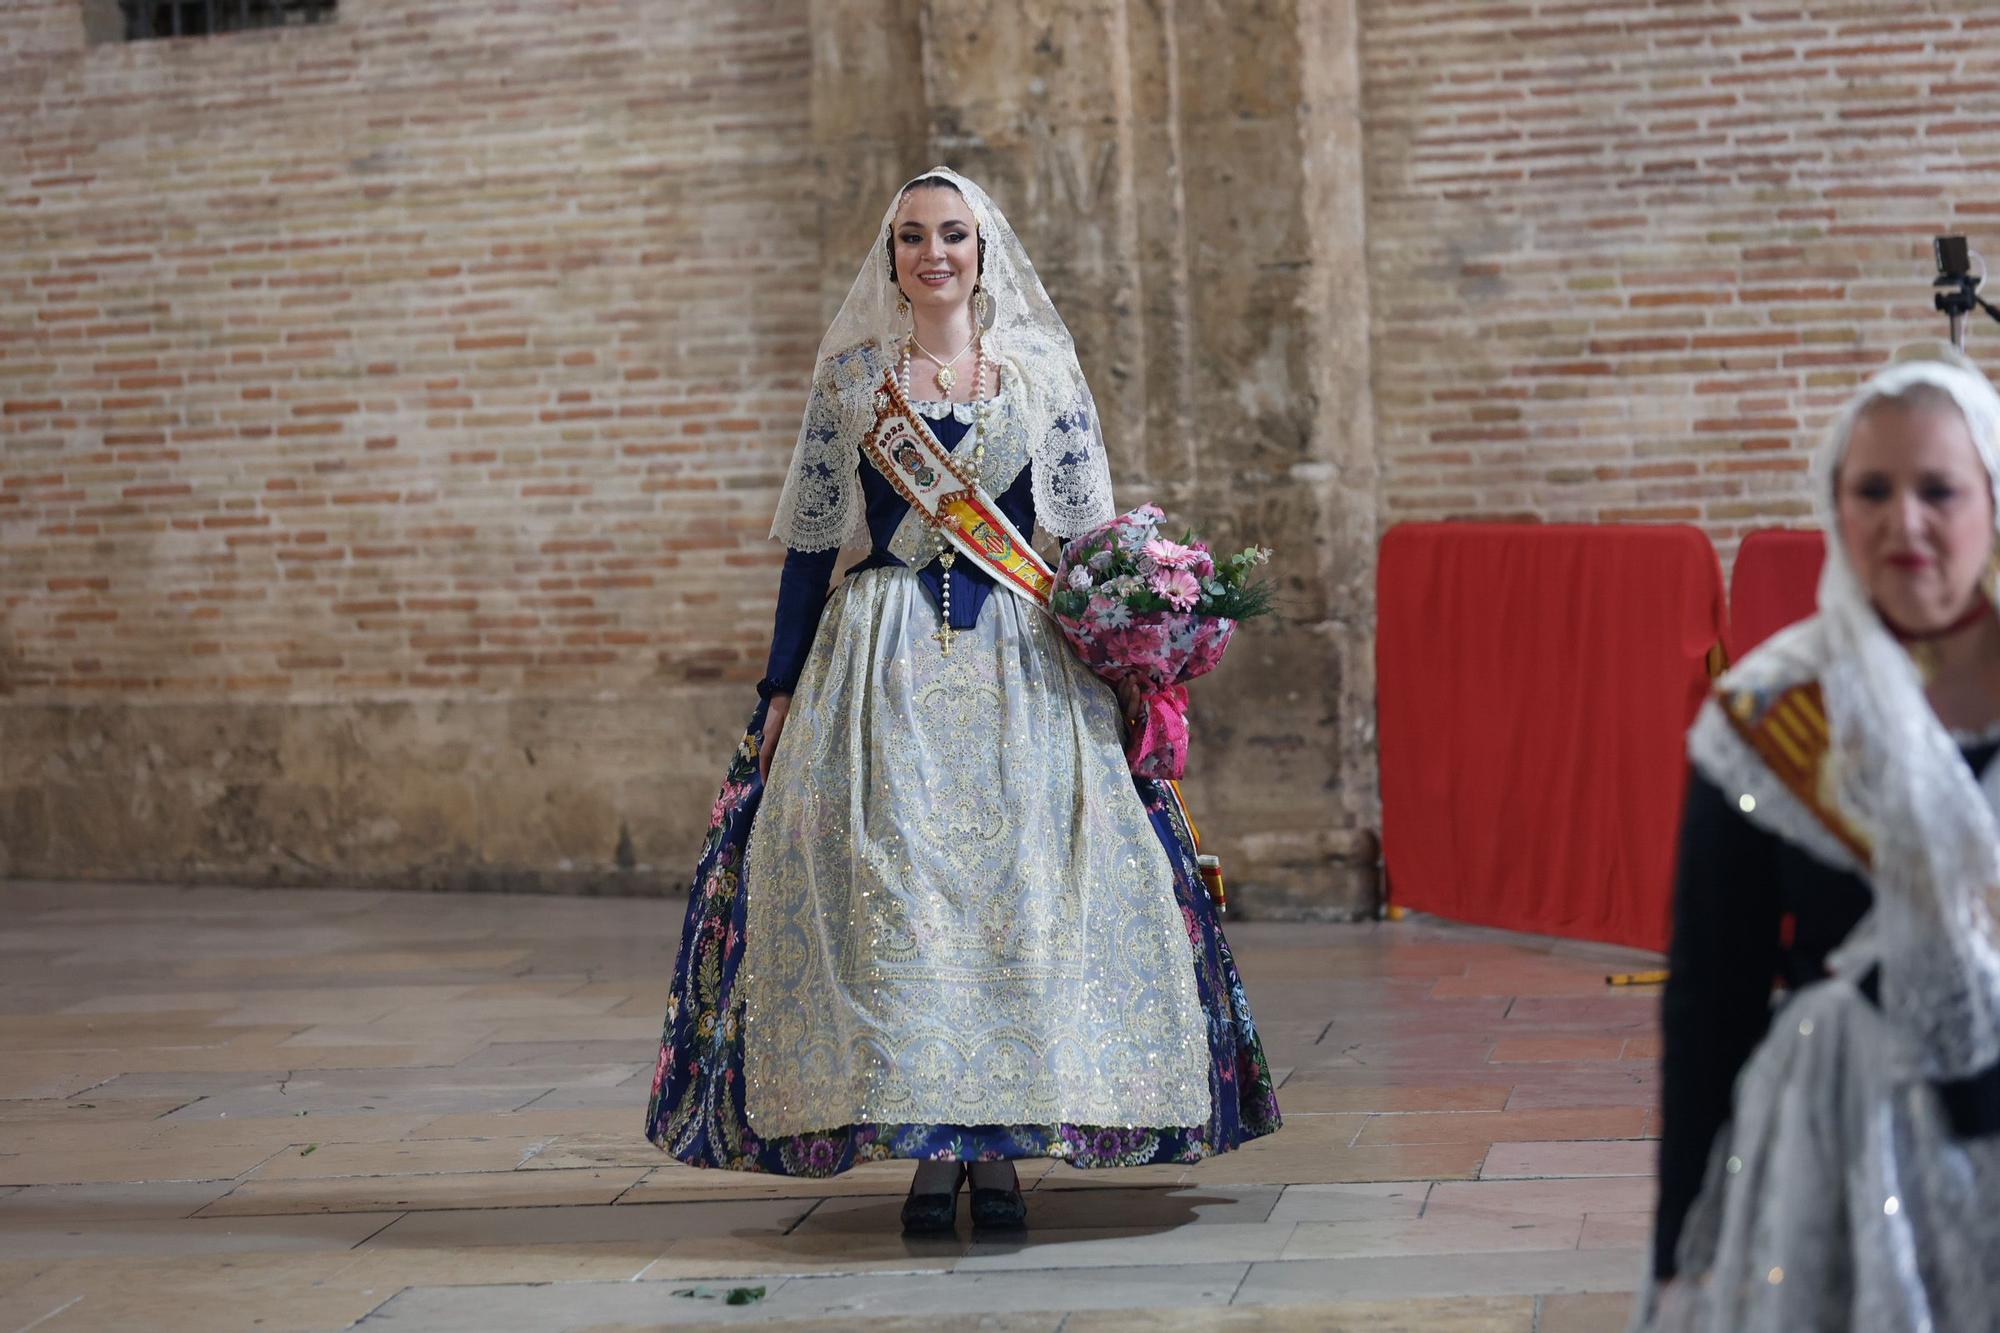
x: 999, y: 1210
x: 932, y: 1214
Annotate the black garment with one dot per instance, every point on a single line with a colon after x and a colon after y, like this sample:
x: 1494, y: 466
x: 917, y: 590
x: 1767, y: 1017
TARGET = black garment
x: 1750, y: 910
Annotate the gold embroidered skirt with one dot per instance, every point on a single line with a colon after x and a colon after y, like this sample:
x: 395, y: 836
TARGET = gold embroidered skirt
x: 958, y: 912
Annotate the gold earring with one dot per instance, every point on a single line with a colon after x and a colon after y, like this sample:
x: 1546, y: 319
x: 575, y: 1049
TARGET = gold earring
x: 982, y: 304
x: 902, y: 304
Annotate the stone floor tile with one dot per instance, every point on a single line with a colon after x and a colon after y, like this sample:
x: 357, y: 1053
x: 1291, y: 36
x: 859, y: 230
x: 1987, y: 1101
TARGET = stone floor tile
x: 146, y: 1200
x: 1146, y: 1207
x: 388, y: 1268
x: 576, y: 1051
x: 81, y: 1166
x: 1617, y: 1231
x: 1610, y: 1312
x: 1549, y: 1087
x: 1471, y: 1314
x: 1614, y: 1122
x: 426, y: 1043
x: 1336, y: 1091
x: 1035, y: 1322
x: 430, y: 1031
x: 1423, y: 1276
x: 566, y: 1307
x: 1528, y: 1050
x: 225, y: 1003
x: 1631, y: 1157
x: 1533, y: 1198
x: 1180, y: 1286
x: 413, y: 963
x: 565, y: 1151
x: 188, y: 1294
x: 757, y: 1256
x: 609, y: 1089
x: 468, y: 1189
x: 47, y: 1074
x: 1112, y: 1249
x: 401, y: 1157
x: 1581, y: 983
x: 1618, y: 1008
x: 1393, y: 1161
x: 635, y: 1038
x: 594, y: 1224
x: 82, y: 1111
x: 515, y: 1124
x: 26, y: 1236
x: 1436, y: 1232
x: 89, y: 1032
x: 1352, y: 1202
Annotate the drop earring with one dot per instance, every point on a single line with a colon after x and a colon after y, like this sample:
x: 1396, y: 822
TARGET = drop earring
x: 902, y: 304
x: 982, y: 304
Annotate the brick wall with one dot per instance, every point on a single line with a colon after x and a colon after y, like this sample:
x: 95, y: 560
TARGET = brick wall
x: 391, y: 412
x: 446, y: 354
x: 1626, y: 257
x: 441, y: 348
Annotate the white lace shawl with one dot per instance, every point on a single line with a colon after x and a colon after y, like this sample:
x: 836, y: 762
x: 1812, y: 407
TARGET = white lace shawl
x: 1047, y: 400
x: 1893, y: 770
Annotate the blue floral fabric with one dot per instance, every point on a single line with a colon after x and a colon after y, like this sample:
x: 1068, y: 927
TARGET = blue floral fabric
x: 696, y: 1111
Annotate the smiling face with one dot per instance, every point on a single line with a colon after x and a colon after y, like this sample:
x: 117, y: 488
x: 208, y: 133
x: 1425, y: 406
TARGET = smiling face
x: 936, y: 248
x: 1915, y: 509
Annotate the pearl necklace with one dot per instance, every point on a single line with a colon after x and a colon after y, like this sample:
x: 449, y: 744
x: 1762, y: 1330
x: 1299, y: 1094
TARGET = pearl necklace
x: 982, y: 407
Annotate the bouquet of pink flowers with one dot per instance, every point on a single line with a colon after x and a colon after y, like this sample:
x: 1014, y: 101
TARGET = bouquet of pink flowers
x: 1149, y: 614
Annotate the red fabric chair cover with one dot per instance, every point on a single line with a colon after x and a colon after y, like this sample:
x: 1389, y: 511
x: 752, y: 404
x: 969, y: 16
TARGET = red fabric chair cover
x: 1775, y: 582
x: 1535, y: 686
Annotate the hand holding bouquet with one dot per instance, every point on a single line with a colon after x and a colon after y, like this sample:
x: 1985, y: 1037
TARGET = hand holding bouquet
x: 1149, y: 614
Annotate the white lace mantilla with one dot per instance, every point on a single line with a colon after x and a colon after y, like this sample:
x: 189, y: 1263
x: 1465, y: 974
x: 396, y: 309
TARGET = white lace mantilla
x: 820, y: 506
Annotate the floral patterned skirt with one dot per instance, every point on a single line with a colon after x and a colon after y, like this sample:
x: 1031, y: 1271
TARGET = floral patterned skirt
x: 696, y: 1111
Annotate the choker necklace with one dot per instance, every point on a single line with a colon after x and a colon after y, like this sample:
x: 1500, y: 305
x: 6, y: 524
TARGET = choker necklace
x: 1980, y: 608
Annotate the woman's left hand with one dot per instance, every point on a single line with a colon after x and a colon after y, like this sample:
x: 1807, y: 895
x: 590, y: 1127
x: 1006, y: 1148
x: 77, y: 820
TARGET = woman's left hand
x: 1132, y: 702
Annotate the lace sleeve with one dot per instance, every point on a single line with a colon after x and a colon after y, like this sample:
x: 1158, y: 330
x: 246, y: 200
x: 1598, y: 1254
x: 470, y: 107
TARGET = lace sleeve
x: 820, y: 507
x: 1072, y: 475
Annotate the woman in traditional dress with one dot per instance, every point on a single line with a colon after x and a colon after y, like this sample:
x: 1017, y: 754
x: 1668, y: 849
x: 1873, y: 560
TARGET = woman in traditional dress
x: 1835, y: 1165
x: 935, y: 916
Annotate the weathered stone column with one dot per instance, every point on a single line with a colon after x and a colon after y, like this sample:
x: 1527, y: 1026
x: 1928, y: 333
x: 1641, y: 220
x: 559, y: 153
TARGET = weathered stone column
x: 869, y: 128
x: 1187, y: 177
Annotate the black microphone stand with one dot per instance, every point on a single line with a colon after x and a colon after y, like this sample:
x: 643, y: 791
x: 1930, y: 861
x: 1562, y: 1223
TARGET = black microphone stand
x: 1957, y: 296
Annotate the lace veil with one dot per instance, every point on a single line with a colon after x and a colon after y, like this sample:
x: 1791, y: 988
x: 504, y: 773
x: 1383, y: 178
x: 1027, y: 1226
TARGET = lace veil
x: 1893, y: 770
x: 1042, y: 384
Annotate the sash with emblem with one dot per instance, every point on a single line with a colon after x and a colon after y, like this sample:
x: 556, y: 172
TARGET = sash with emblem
x: 923, y: 472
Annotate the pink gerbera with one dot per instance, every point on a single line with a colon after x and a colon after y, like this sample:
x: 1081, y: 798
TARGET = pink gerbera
x: 1170, y: 555
x: 1180, y: 588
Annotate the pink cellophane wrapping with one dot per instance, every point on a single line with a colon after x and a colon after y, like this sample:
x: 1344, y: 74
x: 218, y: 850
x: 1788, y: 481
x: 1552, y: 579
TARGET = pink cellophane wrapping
x: 1159, y: 651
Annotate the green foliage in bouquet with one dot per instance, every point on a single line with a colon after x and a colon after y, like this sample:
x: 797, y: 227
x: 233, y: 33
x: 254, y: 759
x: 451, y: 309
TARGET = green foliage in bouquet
x: 1127, y: 564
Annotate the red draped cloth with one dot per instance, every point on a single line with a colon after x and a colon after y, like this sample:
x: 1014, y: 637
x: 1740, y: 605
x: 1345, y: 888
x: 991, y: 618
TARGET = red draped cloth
x: 1775, y: 582
x: 1535, y: 686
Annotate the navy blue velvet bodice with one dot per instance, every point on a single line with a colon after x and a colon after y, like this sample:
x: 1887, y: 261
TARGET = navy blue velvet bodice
x: 802, y: 587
